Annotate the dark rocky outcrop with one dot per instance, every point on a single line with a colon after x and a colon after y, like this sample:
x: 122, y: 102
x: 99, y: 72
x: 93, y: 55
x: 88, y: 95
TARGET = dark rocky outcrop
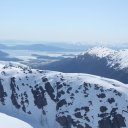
x: 14, y: 95
x: 39, y: 97
x: 2, y: 93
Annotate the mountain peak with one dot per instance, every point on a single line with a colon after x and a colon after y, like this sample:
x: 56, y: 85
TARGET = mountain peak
x: 100, y: 51
x: 115, y: 58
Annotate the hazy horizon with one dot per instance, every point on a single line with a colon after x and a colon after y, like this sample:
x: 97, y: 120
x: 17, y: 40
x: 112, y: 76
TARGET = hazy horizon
x: 29, y: 42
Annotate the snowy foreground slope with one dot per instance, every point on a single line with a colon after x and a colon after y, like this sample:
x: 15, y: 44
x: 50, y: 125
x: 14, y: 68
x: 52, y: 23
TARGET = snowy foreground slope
x: 47, y: 99
x: 11, y: 122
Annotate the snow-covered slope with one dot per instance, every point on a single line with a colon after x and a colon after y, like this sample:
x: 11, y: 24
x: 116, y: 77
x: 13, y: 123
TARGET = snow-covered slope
x: 47, y: 99
x: 11, y: 122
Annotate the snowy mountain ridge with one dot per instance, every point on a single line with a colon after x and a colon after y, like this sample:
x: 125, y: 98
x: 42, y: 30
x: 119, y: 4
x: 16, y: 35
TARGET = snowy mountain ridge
x: 100, y: 51
x: 48, y: 99
x: 115, y: 58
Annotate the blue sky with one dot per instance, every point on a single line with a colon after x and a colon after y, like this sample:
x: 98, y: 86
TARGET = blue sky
x: 64, y: 20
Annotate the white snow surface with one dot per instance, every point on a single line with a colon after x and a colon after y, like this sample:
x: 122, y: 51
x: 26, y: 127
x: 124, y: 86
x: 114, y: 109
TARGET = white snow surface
x: 78, y: 90
x: 11, y: 122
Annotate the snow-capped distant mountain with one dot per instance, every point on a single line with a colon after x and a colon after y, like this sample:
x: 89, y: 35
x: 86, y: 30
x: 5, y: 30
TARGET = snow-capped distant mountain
x: 11, y: 122
x: 98, y: 61
x: 48, y: 99
x: 99, y: 52
x: 116, y: 59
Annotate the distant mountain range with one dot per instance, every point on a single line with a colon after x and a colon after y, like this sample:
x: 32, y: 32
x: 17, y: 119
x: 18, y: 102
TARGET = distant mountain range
x: 44, y: 46
x: 98, y: 61
x: 47, y: 99
x: 35, y: 47
x: 79, y: 46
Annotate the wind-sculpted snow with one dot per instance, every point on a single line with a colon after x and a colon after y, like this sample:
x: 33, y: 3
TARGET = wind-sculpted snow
x: 47, y: 99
